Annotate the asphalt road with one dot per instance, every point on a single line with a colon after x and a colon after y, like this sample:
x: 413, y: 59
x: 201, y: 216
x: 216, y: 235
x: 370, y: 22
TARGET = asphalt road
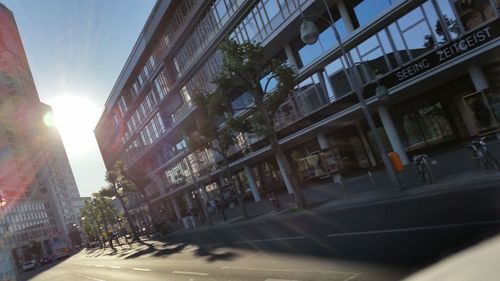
x: 189, y: 263
x: 382, y: 241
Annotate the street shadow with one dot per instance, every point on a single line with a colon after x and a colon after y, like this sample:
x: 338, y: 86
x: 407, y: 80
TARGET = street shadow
x: 211, y: 256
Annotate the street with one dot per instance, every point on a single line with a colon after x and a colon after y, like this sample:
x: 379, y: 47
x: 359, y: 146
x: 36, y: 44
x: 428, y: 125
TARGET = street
x: 380, y: 241
x: 193, y: 263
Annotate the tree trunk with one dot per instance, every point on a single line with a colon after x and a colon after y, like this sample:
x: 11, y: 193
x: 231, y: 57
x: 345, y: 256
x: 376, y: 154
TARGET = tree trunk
x: 119, y: 223
x: 135, y: 237
x: 282, y: 160
x: 151, y: 209
x: 104, y: 220
x: 229, y: 177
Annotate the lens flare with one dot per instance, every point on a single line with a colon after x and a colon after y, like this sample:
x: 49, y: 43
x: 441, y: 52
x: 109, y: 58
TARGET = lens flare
x: 48, y: 119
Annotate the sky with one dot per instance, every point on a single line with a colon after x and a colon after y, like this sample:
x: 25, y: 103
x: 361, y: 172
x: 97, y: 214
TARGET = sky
x: 76, y: 50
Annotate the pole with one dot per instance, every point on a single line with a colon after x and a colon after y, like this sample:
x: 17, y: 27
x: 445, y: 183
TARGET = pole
x: 355, y: 83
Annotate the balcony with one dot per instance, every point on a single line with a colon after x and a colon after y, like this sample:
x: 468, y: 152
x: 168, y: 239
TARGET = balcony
x: 180, y: 112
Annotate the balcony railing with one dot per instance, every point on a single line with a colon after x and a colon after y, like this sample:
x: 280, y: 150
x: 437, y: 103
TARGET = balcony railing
x: 181, y: 112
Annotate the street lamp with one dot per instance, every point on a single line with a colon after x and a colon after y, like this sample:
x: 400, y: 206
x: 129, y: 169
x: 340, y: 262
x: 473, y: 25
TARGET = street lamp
x: 309, y: 34
x: 3, y: 202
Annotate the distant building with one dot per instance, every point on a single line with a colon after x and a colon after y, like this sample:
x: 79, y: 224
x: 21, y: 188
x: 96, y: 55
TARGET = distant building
x: 36, y: 180
x: 439, y: 60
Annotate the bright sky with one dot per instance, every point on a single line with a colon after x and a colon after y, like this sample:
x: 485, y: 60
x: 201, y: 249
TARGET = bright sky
x: 76, y: 50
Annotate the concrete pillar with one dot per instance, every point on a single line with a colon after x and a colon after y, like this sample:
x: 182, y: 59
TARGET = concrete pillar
x: 252, y: 184
x: 366, y: 145
x: 290, y: 55
x: 322, y: 141
x: 392, y: 134
x: 345, y: 16
x: 177, y: 209
x: 159, y: 184
x: 323, y: 86
x: 478, y: 78
x: 288, y: 184
x: 204, y: 192
x: 189, y: 199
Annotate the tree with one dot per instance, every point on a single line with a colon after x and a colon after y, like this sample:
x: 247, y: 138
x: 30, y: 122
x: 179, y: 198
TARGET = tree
x: 119, y: 187
x: 90, y: 222
x: 99, y: 204
x: 208, y: 136
x: 141, y: 181
x: 243, y: 70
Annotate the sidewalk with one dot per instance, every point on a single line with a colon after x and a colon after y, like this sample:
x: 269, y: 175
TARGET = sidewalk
x: 454, y: 171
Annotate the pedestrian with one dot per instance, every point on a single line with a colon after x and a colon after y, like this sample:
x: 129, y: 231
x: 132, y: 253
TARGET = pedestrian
x: 275, y: 201
x: 111, y: 241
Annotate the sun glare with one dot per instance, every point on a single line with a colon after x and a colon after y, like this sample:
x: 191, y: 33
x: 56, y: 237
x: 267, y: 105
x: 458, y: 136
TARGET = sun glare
x: 75, y: 117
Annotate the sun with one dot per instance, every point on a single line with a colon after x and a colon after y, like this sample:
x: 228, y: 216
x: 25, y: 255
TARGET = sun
x: 75, y: 117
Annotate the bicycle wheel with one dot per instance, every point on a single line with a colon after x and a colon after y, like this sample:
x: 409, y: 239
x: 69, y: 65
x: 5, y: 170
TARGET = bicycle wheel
x: 492, y: 161
x: 428, y: 174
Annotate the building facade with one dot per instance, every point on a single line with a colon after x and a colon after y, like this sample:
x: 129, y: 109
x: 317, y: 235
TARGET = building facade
x: 437, y: 58
x: 36, y: 182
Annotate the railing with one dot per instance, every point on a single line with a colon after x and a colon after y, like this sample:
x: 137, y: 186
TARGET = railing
x: 300, y: 105
x: 181, y: 112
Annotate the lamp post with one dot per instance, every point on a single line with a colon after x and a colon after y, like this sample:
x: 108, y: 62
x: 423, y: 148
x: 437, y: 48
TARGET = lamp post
x: 309, y: 34
x: 3, y: 202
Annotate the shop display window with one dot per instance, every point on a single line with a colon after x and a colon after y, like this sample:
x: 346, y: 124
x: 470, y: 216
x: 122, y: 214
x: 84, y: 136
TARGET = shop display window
x: 485, y: 109
x: 426, y: 125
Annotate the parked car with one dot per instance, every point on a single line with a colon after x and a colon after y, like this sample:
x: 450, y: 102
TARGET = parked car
x: 45, y: 260
x: 29, y: 265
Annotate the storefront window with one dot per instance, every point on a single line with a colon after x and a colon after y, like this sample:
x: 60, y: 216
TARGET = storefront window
x: 426, y: 125
x: 473, y: 13
x: 485, y: 109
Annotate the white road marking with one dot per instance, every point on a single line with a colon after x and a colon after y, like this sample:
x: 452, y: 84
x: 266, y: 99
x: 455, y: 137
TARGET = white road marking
x: 270, y: 239
x: 351, y: 278
x: 190, y: 273
x: 91, y: 278
x: 285, y: 270
x: 99, y: 265
x: 141, y: 269
x: 409, y: 229
x: 280, y: 280
x: 115, y: 267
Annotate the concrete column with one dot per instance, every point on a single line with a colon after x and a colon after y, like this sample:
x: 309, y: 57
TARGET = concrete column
x: 177, y: 209
x: 324, y: 88
x: 392, y: 134
x: 478, y: 78
x: 323, y: 141
x: 366, y: 145
x: 159, y: 184
x: 204, y: 192
x: 290, y: 55
x: 252, y: 184
x: 288, y: 184
x: 189, y: 199
x: 345, y: 16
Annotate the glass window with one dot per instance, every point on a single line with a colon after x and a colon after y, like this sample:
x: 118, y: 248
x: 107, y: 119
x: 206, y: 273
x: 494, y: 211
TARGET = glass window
x: 425, y: 125
x: 473, y: 13
x: 337, y: 77
x: 453, y: 27
x: 326, y: 40
x: 366, y: 10
x: 242, y: 103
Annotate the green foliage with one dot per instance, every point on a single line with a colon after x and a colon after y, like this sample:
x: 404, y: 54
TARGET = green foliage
x: 242, y: 69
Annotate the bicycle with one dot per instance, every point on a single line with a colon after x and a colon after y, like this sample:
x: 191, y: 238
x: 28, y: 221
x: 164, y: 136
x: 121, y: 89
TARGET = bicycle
x: 422, y: 163
x: 482, y: 154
